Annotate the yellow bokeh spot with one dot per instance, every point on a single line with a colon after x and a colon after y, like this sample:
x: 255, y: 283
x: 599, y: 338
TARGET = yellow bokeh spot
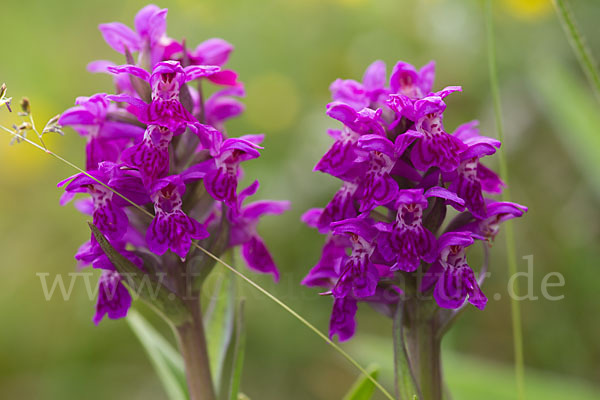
x: 528, y: 9
x: 272, y: 102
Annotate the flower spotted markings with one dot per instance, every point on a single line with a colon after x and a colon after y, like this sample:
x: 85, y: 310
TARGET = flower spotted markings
x: 151, y: 155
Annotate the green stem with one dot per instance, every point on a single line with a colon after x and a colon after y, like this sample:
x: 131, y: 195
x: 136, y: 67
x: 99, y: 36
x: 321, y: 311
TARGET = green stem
x: 424, y: 348
x: 430, y: 369
x: 195, y: 355
x: 584, y: 55
x: 404, y: 380
x: 510, y: 240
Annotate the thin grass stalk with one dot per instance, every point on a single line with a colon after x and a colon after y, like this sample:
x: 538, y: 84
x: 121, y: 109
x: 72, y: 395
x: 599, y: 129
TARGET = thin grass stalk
x: 510, y: 240
x: 577, y: 40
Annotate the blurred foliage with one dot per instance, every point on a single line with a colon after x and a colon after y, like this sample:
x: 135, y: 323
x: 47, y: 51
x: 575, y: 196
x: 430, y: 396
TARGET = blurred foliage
x: 287, y: 53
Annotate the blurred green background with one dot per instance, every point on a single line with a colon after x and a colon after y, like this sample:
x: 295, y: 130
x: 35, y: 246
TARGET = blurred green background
x: 287, y: 53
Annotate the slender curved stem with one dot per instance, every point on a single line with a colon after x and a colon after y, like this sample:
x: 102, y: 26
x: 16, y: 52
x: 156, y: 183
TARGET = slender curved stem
x: 510, y: 240
x: 192, y: 341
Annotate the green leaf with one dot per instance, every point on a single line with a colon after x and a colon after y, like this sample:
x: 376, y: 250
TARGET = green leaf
x: 166, y: 360
x: 148, y: 287
x: 219, y: 323
x: 404, y: 381
x: 233, y: 374
x: 363, y: 388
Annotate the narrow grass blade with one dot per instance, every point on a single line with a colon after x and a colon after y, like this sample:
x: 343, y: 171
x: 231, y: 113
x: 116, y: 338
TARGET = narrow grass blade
x: 510, y: 240
x: 583, y: 53
x: 219, y: 323
x: 404, y: 380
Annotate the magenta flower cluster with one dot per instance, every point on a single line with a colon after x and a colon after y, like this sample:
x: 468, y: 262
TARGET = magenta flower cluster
x: 400, y: 170
x: 159, y: 142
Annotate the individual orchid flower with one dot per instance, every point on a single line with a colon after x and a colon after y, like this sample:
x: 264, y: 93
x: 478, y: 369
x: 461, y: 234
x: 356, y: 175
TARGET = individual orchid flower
x: 243, y: 230
x: 344, y: 154
x: 327, y: 272
x: 471, y: 177
x: 359, y: 275
x: 407, y: 81
x: 497, y: 212
x: 165, y: 82
x: 171, y: 228
x: 453, y: 278
x: 114, y: 299
x: 106, y: 139
x: 221, y: 173
x: 151, y: 155
x: 339, y: 208
x: 377, y: 187
x: 221, y: 106
x: 108, y: 208
x: 433, y: 146
x: 329, y: 267
x: 406, y: 241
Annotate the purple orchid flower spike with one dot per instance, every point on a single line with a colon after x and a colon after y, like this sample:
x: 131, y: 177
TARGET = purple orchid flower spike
x: 171, y: 228
x: 161, y: 142
x: 453, y: 278
x: 359, y: 274
x: 371, y: 91
x: 108, y: 209
x: 148, y: 37
x: 244, y: 233
x: 406, y: 80
x: 105, y: 139
x: 165, y: 81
